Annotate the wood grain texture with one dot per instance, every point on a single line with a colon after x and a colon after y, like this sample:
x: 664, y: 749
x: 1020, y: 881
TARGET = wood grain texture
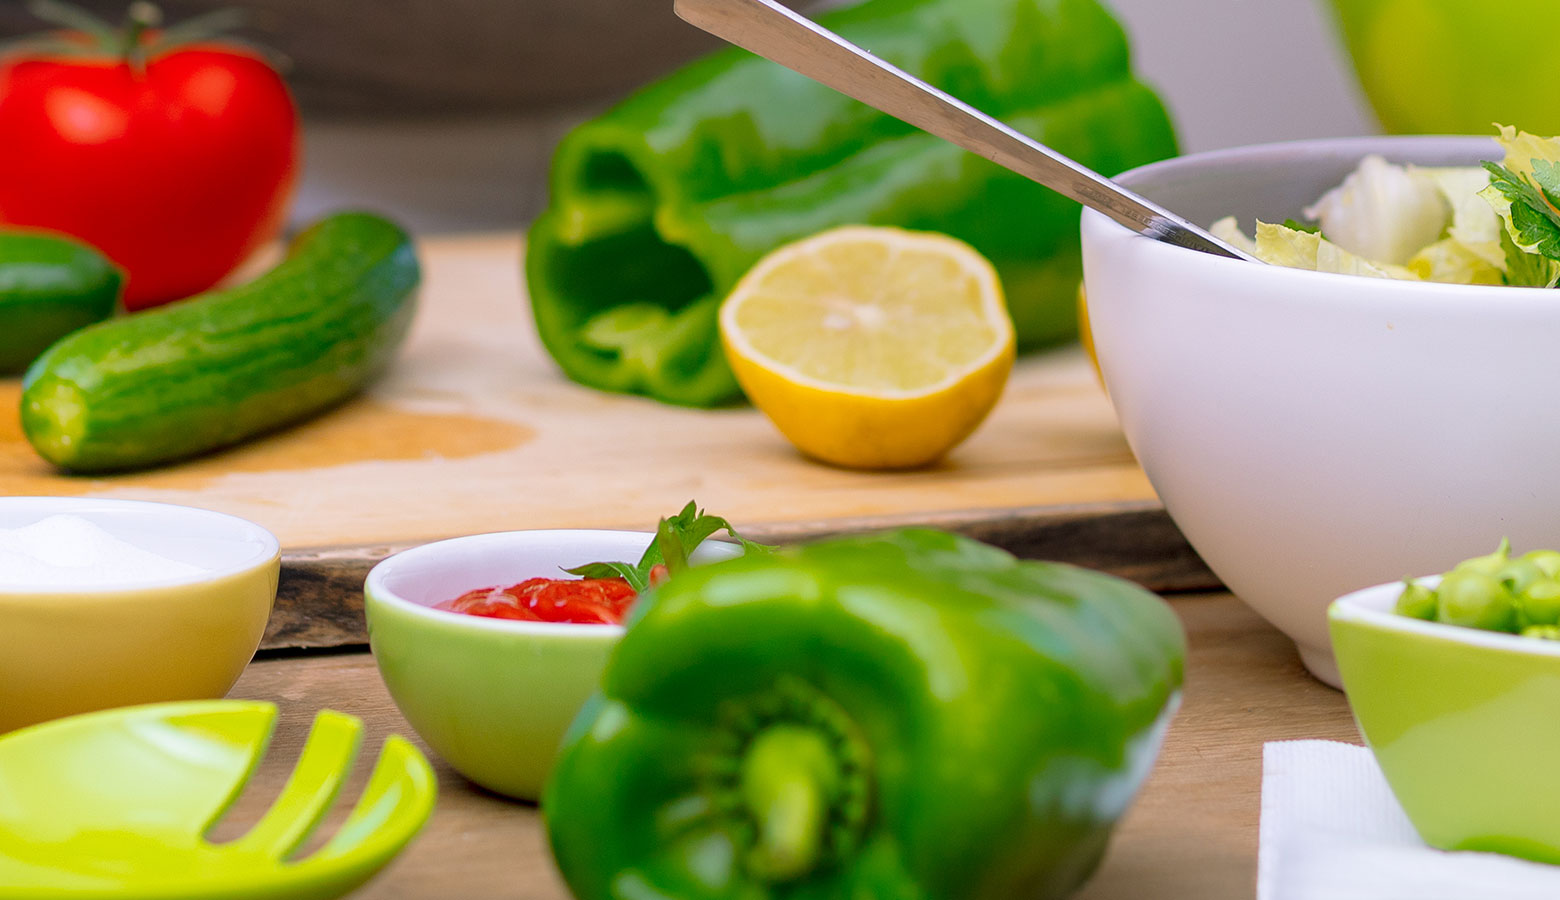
x: 475, y: 430
x: 319, y: 602
x: 1192, y: 835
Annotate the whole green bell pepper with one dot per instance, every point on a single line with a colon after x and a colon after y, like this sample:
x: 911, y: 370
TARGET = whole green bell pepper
x: 912, y: 715
x: 660, y: 205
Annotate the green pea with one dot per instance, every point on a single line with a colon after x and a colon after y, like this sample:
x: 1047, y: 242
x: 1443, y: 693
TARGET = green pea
x: 1542, y: 632
x: 1416, y: 601
x: 1476, y: 599
x: 1548, y: 560
x: 1518, y: 574
x: 1539, y: 603
x: 1489, y: 564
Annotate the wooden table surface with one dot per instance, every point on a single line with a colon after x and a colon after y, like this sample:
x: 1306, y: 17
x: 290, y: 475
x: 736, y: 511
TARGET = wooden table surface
x: 1192, y: 835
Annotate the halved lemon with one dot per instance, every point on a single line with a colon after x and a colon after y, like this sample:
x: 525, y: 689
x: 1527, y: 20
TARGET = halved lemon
x: 872, y: 348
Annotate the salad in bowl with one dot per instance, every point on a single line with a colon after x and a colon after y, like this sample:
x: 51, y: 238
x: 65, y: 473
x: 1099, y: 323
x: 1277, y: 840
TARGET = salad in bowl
x: 1497, y: 223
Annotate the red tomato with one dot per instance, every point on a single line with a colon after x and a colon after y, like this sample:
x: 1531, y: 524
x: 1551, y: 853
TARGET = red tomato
x: 177, y: 170
x: 586, y: 601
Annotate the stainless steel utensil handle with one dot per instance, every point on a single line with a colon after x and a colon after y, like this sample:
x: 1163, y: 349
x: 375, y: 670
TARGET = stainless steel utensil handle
x: 777, y: 33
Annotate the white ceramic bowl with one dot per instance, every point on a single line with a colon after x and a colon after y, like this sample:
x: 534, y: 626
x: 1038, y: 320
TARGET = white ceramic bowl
x: 494, y: 696
x: 1312, y: 433
x: 67, y: 649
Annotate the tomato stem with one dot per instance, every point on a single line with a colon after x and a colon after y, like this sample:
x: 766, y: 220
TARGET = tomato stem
x: 140, y: 38
x: 140, y: 17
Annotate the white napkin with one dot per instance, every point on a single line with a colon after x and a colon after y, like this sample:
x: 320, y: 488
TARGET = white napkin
x: 1331, y: 830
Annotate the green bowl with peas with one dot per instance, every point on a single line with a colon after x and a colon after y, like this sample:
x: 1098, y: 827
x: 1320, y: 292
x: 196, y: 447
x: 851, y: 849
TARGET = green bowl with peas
x: 1462, y: 719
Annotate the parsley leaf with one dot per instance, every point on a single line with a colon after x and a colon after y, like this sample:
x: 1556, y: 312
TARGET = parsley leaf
x: 1531, y: 237
x: 1524, y: 269
x: 621, y: 570
x: 676, y: 538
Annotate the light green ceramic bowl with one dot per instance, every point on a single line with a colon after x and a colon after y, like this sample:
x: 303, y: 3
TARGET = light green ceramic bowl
x: 493, y: 697
x: 1463, y: 723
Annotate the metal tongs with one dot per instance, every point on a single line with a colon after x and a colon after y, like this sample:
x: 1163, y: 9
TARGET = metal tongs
x: 778, y: 34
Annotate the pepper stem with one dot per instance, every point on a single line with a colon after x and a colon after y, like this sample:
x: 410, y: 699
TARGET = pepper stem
x: 790, y: 780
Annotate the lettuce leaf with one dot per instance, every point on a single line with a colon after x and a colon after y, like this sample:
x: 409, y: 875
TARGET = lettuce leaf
x: 1383, y: 212
x: 1523, y: 150
x: 1228, y: 230
x: 1296, y: 249
x: 1451, y: 261
x: 1474, y: 224
x: 1490, y: 224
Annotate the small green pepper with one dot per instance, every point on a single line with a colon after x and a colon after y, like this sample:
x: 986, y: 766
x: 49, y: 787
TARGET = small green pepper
x: 1489, y: 564
x: 1475, y: 599
x: 1539, y: 604
x: 1416, y: 601
x: 912, y: 715
x: 1518, y: 574
x: 1494, y: 593
x: 660, y: 205
x: 1547, y: 560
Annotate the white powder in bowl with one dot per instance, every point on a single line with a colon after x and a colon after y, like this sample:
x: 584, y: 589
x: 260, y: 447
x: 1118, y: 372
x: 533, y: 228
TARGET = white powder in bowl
x: 69, y: 551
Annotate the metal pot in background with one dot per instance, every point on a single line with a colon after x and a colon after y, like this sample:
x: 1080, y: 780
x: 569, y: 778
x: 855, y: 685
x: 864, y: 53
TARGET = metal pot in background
x: 367, y: 58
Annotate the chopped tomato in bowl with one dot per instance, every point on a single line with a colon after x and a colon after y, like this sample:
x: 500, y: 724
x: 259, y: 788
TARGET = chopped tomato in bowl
x: 582, y: 601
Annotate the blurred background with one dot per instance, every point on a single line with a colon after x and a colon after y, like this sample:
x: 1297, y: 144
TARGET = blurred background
x: 444, y: 112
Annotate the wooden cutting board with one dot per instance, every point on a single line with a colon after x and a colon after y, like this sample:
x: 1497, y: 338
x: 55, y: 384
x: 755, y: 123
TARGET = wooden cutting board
x: 474, y: 429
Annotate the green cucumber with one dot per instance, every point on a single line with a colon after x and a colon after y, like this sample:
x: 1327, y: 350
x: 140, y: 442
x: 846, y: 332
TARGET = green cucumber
x: 50, y: 285
x: 212, y: 370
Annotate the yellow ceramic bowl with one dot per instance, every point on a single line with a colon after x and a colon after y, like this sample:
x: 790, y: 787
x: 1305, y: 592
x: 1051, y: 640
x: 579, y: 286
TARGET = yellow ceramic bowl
x: 66, y: 650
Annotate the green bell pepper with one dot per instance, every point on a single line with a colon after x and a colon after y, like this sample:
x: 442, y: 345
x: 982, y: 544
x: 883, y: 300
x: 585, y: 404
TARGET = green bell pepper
x: 660, y: 205
x: 912, y: 715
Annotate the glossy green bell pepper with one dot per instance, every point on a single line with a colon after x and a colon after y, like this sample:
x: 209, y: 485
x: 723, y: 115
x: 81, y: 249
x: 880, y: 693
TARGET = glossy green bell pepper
x: 659, y: 206
x: 912, y: 715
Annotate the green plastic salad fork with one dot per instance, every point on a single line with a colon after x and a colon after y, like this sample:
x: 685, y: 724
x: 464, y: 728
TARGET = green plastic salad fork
x: 119, y: 804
